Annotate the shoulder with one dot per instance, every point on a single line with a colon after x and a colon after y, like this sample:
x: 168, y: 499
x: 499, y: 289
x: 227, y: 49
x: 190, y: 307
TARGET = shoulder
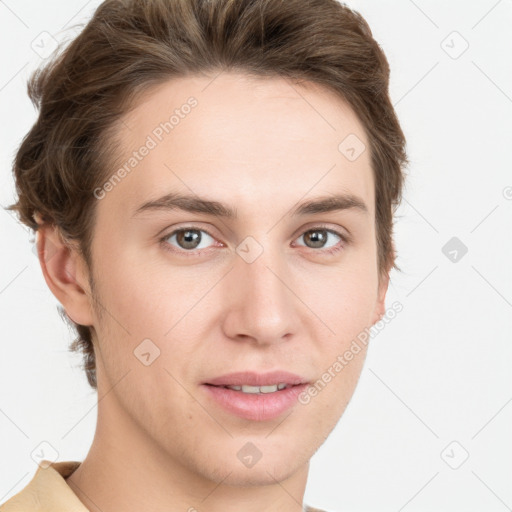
x: 46, y: 491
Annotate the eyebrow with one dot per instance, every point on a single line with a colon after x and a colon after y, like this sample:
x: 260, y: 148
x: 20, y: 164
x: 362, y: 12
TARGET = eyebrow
x: 196, y: 204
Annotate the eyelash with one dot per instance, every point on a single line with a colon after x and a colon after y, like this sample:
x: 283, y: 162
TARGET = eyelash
x: 333, y: 250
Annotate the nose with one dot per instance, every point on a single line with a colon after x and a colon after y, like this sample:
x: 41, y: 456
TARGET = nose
x: 261, y: 301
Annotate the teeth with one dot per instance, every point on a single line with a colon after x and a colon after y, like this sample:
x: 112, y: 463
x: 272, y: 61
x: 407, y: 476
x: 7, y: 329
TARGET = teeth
x: 258, y: 389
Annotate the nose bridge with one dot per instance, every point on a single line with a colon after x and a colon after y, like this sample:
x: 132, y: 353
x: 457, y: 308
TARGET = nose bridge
x: 262, y: 305
x: 264, y: 276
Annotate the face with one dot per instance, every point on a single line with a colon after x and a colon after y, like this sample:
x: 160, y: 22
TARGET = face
x: 189, y: 294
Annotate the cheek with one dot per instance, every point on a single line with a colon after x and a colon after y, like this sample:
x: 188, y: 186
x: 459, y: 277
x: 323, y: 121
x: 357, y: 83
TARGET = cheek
x: 138, y: 299
x: 346, y: 307
x: 150, y: 320
x: 345, y: 300
x: 339, y: 366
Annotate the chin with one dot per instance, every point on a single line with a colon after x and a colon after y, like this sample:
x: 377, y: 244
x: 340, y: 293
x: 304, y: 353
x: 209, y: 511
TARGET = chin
x: 260, y: 475
x: 272, y: 465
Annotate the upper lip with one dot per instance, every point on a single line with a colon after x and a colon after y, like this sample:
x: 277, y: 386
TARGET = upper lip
x: 257, y: 379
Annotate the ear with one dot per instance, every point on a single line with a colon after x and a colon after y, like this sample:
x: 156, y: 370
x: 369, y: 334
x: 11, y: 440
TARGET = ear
x: 380, y: 305
x: 65, y: 273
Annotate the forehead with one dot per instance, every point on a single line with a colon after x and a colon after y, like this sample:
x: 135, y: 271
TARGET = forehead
x: 234, y: 137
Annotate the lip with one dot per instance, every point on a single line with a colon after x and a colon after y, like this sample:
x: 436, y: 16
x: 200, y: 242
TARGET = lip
x: 257, y: 379
x: 256, y: 407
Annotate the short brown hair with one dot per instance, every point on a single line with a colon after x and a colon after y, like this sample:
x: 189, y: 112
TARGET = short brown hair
x: 129, y: 45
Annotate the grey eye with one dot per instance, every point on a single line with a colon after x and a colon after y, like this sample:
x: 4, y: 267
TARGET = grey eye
x: 189, y: 238
x: 317, y: 237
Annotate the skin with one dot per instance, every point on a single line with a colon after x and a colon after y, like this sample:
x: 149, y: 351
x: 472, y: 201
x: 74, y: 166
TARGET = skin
x: 260, y: 146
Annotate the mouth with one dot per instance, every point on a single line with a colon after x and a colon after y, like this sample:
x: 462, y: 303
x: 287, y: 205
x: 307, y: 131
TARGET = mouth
x: 251, y: 380
x: 253, y: 390
x: 256, y: 397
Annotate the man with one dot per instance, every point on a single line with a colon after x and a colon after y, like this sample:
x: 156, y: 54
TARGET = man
x: 212, y: 184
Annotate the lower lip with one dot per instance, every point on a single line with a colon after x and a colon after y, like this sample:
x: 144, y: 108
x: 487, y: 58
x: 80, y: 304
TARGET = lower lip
x: 255, y: 406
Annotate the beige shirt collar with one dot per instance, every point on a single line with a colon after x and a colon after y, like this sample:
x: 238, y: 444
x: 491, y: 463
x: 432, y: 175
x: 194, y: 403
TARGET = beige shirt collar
x: 48, y: 491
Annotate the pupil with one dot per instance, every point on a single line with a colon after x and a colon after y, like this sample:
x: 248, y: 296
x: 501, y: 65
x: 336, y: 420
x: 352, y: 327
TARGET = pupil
x: 319, y: 240
x: 189, y: 239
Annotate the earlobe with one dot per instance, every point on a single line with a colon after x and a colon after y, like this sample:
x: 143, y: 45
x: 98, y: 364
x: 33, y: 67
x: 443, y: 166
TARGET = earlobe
x: 64, y: 273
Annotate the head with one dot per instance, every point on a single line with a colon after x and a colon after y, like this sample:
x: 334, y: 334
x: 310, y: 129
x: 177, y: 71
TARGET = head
x: 256, y: 107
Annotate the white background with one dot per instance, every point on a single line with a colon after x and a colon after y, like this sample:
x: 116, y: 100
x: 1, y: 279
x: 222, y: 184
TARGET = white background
x: 437, y: 376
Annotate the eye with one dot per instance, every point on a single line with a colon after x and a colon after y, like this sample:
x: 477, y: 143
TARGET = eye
x: 188, y: 239
x: 317, y: 237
